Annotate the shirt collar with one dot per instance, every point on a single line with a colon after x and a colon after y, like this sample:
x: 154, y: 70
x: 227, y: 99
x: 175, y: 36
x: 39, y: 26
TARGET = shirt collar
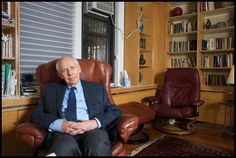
x: 78, y: 86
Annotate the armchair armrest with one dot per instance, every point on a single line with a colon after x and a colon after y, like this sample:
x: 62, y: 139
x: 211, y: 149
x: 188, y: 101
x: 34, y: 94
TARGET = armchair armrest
x: 34, y: 135
x: 149, y: 100
x: 126, y: 125
x: 198, y: 103
x: 31, y: 134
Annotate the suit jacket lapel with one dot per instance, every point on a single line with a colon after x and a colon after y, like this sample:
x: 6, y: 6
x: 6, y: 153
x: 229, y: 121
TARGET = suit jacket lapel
x: 87, y: 94
x: 61, y: 89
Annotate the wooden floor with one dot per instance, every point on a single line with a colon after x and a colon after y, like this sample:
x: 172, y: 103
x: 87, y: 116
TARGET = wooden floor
x: 205, y: 133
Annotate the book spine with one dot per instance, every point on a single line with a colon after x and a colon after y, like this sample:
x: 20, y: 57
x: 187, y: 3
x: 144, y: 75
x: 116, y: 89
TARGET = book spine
x: 3, y: 79
x: 7, y: 78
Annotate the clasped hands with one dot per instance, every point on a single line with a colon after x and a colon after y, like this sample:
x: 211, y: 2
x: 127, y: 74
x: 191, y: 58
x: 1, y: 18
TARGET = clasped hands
x: 74, y: 128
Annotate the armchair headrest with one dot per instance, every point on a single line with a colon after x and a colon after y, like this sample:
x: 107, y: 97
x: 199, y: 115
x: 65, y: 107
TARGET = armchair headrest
x: 91, y: 71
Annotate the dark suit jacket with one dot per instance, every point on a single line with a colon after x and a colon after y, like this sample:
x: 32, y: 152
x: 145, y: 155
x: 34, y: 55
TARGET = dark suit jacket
x: 99, y: 106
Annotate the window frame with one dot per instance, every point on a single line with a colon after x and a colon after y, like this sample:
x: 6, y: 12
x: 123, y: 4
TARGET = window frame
x: 110, y: 37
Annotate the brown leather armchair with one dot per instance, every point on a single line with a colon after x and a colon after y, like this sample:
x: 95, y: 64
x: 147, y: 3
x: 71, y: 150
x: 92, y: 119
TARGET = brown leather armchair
x: 93, y: 71
x: 177, y: 101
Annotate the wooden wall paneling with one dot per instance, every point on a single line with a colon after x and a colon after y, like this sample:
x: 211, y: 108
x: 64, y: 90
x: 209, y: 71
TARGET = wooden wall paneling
x: 134, y: 96
x: 10, y: 147
x: 159, y: 38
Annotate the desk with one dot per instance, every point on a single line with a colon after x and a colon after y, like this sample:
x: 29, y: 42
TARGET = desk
x: 228, y: 133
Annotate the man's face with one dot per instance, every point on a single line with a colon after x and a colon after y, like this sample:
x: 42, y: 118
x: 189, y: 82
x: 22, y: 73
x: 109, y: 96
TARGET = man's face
x: 69, y: 71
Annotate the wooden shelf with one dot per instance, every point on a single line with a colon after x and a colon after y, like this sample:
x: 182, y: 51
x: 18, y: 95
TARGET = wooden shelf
x: 183, y: 34
x: 122, y: 90
x: 181, y: 17
x: 211, y: 35
x: 218, y: 51
x: 11, y: 30
x: 142, y: 66
x: 141, y: 50
x: 218, y: 30
x: 140, y: 43
x: 216, y: 15
x: 215, y: 68
x: 218, y: 11
x: 13, y: 101
x: 217, y: 88
x: 143, y: 34
x: 7, y: 25
x: 8, y: 58
x: 181, y: 39
x: 182, y: 53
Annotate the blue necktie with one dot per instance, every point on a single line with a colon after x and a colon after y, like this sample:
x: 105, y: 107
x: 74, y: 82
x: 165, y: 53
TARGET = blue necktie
x: 70, y: 113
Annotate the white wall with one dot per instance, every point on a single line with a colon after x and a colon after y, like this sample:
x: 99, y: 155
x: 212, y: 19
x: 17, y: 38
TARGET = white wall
x: 119, y: 40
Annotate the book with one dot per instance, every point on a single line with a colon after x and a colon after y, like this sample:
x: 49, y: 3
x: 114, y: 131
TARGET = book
x: 3, y: 79
x: 3, y: 42
x: 13, y: 82
x: 7, y: 78
x: 9, y: 9
x: 211, y: 5
x: 10, y: 46
x: 7, y: 46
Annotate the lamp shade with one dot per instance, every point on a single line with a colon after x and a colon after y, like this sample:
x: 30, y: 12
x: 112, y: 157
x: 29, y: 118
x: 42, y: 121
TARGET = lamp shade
x: 230, y: 79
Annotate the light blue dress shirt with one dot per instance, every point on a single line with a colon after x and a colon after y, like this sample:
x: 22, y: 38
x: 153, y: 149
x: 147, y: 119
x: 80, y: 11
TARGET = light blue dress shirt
x: 81, y: 108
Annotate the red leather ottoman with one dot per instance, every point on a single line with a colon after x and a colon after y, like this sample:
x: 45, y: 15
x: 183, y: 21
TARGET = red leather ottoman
x: 144, y: 113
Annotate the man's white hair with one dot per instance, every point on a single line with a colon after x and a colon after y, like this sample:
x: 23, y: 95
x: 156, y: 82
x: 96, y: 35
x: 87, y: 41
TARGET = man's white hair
x: 59, y: 61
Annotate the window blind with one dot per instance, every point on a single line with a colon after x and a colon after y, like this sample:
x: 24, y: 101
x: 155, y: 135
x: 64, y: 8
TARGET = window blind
x: 45, y: 33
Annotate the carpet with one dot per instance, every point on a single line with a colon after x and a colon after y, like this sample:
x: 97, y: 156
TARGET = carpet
x: 173, y: 146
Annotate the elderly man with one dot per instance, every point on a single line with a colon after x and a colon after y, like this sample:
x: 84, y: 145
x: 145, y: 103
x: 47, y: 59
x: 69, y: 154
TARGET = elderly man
x: 78, y: 114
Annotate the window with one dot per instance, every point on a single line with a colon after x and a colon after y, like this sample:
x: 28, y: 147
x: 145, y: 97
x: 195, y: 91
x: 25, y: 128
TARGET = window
x: 97, y: 37
x: 49, y: 30
x: 45, y: 33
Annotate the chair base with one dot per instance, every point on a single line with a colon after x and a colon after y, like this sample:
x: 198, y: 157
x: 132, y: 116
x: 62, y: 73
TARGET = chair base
x: 138, y: 136
x: 179, y: 128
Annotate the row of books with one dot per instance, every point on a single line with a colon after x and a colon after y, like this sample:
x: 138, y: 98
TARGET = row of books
x: 183, y: 62
x: 218, y: 43
x: 220, y: 60
x: 179, y: 46
x: 7, y: 45
x: 212, y: 79
x: 207, y: 6
x: 9, y: 80
x: 181, y: 26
